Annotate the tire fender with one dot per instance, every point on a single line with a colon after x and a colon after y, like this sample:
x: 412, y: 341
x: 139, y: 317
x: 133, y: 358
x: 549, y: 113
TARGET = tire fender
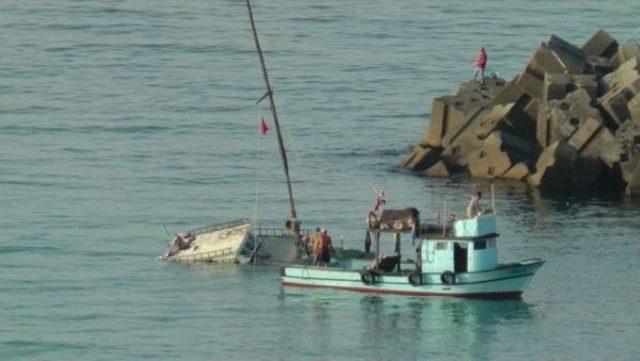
x: 448, y: 277
x: 415, y: 279
x: 367, y: 277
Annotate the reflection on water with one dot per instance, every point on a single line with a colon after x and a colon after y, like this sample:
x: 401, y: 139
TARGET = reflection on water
x: 412, y: 326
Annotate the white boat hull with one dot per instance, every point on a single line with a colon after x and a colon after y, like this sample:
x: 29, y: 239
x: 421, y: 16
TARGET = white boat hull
x: 503, y: 282
x: 224, y: 243
x: 237, y: 242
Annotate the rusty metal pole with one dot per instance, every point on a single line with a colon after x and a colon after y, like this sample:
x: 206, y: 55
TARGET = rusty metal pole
x: 274, y: 112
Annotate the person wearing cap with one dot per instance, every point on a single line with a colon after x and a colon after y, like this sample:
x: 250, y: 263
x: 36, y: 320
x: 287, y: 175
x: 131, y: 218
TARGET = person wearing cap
x: 480, y: 64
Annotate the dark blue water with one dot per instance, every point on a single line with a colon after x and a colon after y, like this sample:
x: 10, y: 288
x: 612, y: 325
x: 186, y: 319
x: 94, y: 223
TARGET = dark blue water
x: 117, y: 117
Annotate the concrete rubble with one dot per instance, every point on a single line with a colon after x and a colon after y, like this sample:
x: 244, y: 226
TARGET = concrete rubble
x: 570, y: 120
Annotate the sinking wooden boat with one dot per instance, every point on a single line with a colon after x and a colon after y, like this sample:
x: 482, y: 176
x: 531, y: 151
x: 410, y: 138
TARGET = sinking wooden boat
x: 237, y: 242
x: 462, y: 260
x: 230, y: 242
x: 233, y: 242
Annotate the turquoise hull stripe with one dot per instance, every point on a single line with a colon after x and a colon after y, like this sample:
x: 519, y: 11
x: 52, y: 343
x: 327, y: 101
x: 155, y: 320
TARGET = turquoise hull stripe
x: 404, y: 283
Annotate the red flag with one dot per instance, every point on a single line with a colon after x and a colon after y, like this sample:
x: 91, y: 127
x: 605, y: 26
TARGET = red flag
x: 263, y: 128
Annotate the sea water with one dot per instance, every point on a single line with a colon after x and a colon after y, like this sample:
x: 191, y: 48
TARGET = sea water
x: 119, y: 117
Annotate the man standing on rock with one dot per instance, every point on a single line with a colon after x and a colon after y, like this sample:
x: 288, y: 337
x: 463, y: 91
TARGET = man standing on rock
x: 480, y: 64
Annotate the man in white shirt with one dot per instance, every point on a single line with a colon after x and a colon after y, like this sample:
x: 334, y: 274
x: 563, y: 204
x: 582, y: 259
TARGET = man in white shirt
x: 473, y: 209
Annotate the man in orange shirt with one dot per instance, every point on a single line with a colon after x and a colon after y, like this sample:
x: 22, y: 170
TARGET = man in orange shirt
x: 322, y: 249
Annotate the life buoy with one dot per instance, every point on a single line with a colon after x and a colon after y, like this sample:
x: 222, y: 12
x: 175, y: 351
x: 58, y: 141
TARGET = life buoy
x: 415, y: 278
x: 448, y: 277
x: 367, y: 277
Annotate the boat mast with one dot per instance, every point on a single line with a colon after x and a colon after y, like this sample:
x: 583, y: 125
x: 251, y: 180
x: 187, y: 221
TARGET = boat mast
x: 272, y: 105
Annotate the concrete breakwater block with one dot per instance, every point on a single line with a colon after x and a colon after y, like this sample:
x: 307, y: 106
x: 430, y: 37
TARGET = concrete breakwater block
x: 576, y: 162
x: 448, y: 112
x: 630, y: 170
x: 571, y: 119
x: 621, y: 76
x: 615, y: 102
x: 493, y: 85
x: 530, y: 83
x: 634, y: 108
x: 595, y: 141
x: 556, y: 55
x: 601, y: 44
x: 519, y: 171
x: 498, y: 153
x: 628, y: 138
x: 557, y: 86
x: 585, y: 132
x: 422, y: 158
x: 439, y: 170
x: 560, y: 118
x: 619, y: 88
x: 572, y: 57
x: 626, y: 51
x: 560, y: 167
x: 552, y: 165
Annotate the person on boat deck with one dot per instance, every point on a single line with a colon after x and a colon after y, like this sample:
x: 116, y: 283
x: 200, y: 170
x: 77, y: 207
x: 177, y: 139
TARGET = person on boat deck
x: 311, y: 249
x: 378, y: 203
x: 367, y: 242
x: 322, y: 249
x: 306, y: 240
x: 480, y: 64
x: 326, y: 253
x: 473, y: 209
x: 180, y: 243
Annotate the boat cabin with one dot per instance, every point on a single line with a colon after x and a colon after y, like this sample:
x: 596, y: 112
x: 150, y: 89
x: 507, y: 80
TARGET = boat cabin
x: 471, y: 249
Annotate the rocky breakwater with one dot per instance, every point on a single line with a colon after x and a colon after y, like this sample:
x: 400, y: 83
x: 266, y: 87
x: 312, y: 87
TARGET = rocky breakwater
x: 570, y: 120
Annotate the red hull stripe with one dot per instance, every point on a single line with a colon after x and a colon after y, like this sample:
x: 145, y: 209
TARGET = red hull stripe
x: 491, y: 295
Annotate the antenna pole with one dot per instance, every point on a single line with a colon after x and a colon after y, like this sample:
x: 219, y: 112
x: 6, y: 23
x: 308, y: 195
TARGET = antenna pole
x: 493, y: 199
x: 274, y: 112
x: 444, y: 219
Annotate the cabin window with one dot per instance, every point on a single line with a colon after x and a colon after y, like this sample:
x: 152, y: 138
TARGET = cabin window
x: 441, y: 245
x: 479, y: 245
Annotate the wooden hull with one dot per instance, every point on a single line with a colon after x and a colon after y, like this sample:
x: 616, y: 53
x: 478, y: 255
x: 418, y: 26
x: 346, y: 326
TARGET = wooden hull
x: 503, y: 282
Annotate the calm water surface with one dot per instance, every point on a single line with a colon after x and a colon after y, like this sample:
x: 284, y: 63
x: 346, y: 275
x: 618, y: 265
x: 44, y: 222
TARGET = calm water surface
x: 117, y: 117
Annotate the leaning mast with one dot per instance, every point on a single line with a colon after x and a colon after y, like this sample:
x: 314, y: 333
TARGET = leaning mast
x: 274, y: 113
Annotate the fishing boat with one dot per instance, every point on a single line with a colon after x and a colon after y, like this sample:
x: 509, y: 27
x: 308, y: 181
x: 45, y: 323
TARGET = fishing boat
x: 243, y: 242
x: 453, y: 258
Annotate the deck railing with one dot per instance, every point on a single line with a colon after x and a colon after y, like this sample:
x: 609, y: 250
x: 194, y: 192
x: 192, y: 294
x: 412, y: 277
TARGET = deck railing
x: 277, y: 232
x: 219, y: 226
